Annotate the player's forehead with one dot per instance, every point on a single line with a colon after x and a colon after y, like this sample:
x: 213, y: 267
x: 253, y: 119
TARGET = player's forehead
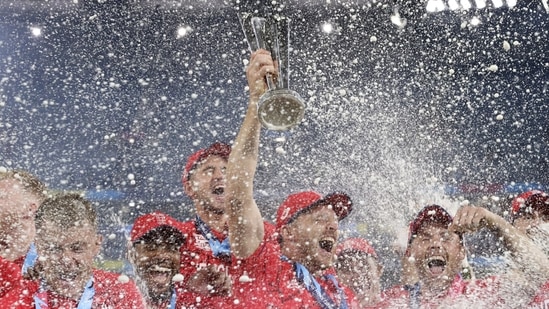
x: 13, y: 196
x: 319, y: 212
x: 212, y: 161
x: 432, y: 229
x: 80, y: 228
x: 10, y: 186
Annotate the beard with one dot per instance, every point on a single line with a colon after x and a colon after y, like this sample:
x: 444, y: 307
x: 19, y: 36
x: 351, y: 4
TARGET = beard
x: 539, y: 235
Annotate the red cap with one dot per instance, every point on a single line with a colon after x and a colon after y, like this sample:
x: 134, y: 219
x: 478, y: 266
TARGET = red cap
x: 298, y: 203
x: 216, y: 149
x: 146, y: 223
x: 356, y: 244
x: 431, y: 213
x: 533, y: 199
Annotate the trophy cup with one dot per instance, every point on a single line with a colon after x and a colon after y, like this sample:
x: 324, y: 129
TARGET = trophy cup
x: 279, y: 108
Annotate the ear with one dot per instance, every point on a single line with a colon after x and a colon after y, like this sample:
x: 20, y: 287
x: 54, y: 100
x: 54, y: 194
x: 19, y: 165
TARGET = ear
x: 379, y: 266
x: 188, y: 187
x: 97, y: 244
x: 33, y: 207
x: 130, y: 255
x: 462, y: 253
x: 286, y: 232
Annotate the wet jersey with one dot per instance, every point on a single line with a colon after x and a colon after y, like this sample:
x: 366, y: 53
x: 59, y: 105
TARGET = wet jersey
x: 294, y: 294
x: 107, y: 292
x: 541, y: 300
x: 10, y: 275
x: 199, y: 252
x: 479, y: 292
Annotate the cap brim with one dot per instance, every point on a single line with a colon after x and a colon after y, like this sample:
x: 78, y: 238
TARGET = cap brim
x: 165, y: 232
x: 432, y: 214
x: 340, y: 202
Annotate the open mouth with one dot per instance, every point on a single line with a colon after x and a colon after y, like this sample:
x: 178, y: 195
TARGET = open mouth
x: 158, y: 268
x: 159, y: 273
x: 68, y: 277
x: 436, y: 265
x: 327, y: 244
x: 4, y: 244
x: 219, y: 190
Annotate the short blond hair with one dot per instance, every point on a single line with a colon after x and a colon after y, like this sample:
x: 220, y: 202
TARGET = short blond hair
x: 66, y: 210
x: 29, y: 182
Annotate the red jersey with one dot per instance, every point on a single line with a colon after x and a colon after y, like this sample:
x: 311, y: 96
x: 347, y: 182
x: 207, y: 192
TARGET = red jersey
x: 294, y: 294
x: 273, y: 282
x: 196, y: 253
x: 541, y: 300
x: 479, y: 292
x: 10, y: 274
x: 109, y: 294
x: 262, y: 280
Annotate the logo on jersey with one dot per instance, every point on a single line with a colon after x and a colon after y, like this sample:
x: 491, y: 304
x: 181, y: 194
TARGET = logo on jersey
x: 201, y: 242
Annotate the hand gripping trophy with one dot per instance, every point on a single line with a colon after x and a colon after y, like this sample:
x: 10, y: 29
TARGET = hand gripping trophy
x: 279, y: 108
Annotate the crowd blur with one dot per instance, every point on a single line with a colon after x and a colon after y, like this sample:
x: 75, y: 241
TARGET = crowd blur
x: 228, y: 255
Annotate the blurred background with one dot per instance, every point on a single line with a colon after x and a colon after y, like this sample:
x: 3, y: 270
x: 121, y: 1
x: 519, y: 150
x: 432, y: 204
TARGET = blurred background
x: 408, y: 103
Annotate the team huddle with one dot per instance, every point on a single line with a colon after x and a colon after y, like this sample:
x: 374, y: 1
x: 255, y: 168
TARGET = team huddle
x: 229, y: 256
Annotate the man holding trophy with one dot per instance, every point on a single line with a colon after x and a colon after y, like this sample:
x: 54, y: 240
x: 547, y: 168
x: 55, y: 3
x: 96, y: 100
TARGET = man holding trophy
x: 293, y: 269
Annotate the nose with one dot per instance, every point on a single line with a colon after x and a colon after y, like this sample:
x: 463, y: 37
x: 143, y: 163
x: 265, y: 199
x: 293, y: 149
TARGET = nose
x: 164, y: 253
x: 66, y: 259
x: 218, y: 173
x: 435, y: 243
x: 332, y: 225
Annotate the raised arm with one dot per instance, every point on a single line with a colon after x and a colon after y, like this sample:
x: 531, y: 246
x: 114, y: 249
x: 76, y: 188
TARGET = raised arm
x: 529, y: 267
x: 246, y: 229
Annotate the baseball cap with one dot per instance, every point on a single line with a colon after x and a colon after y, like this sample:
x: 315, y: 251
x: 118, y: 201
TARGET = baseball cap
x: 356, y: 244
x: 215, y: 149
x: 152, y: 221
x: 301, y: 202
x: 429, y: 214
x: 529, y: 200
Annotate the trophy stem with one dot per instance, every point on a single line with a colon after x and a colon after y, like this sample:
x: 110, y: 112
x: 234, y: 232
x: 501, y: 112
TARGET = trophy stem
x: 279, y: 108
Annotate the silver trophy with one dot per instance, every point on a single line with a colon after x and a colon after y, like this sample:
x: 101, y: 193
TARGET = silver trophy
x: 279, y: 108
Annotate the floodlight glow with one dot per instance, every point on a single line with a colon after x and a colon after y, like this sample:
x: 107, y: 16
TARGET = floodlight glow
x: 511, y: 3
x: 435, y: 6
x: 327, y: 28
x: 183, y: 31
x: 36, y: 31
x: 453, y: 5
x: 465, y: 4
x: 480, y: 4
x: 475, y: 21
x: 497, y: 3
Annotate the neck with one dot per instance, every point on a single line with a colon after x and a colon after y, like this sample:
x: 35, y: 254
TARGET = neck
x: 435, y: 288
x: 159, y: 299
x: 369, y: 300
x: 215, y: 221
x: 293, y: 257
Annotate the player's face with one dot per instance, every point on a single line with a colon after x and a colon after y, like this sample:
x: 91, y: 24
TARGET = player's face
x: 156, y: 263
x: 437, y: 252
x: 316, y: 234
x: 17, y: 209
x: 207, y: 185
x: 536, y: 226
x: 361, y: 272
x: 66, y: 257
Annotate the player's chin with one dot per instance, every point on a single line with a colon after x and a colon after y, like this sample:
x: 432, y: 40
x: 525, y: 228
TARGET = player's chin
x: 325, y: 260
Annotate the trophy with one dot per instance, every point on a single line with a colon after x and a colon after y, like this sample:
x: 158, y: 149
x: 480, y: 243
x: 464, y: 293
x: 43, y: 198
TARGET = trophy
x: 279, y: 108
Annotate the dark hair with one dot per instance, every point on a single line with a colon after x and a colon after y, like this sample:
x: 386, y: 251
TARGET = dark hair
x: 29, y: 182
x: 66, y: 210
